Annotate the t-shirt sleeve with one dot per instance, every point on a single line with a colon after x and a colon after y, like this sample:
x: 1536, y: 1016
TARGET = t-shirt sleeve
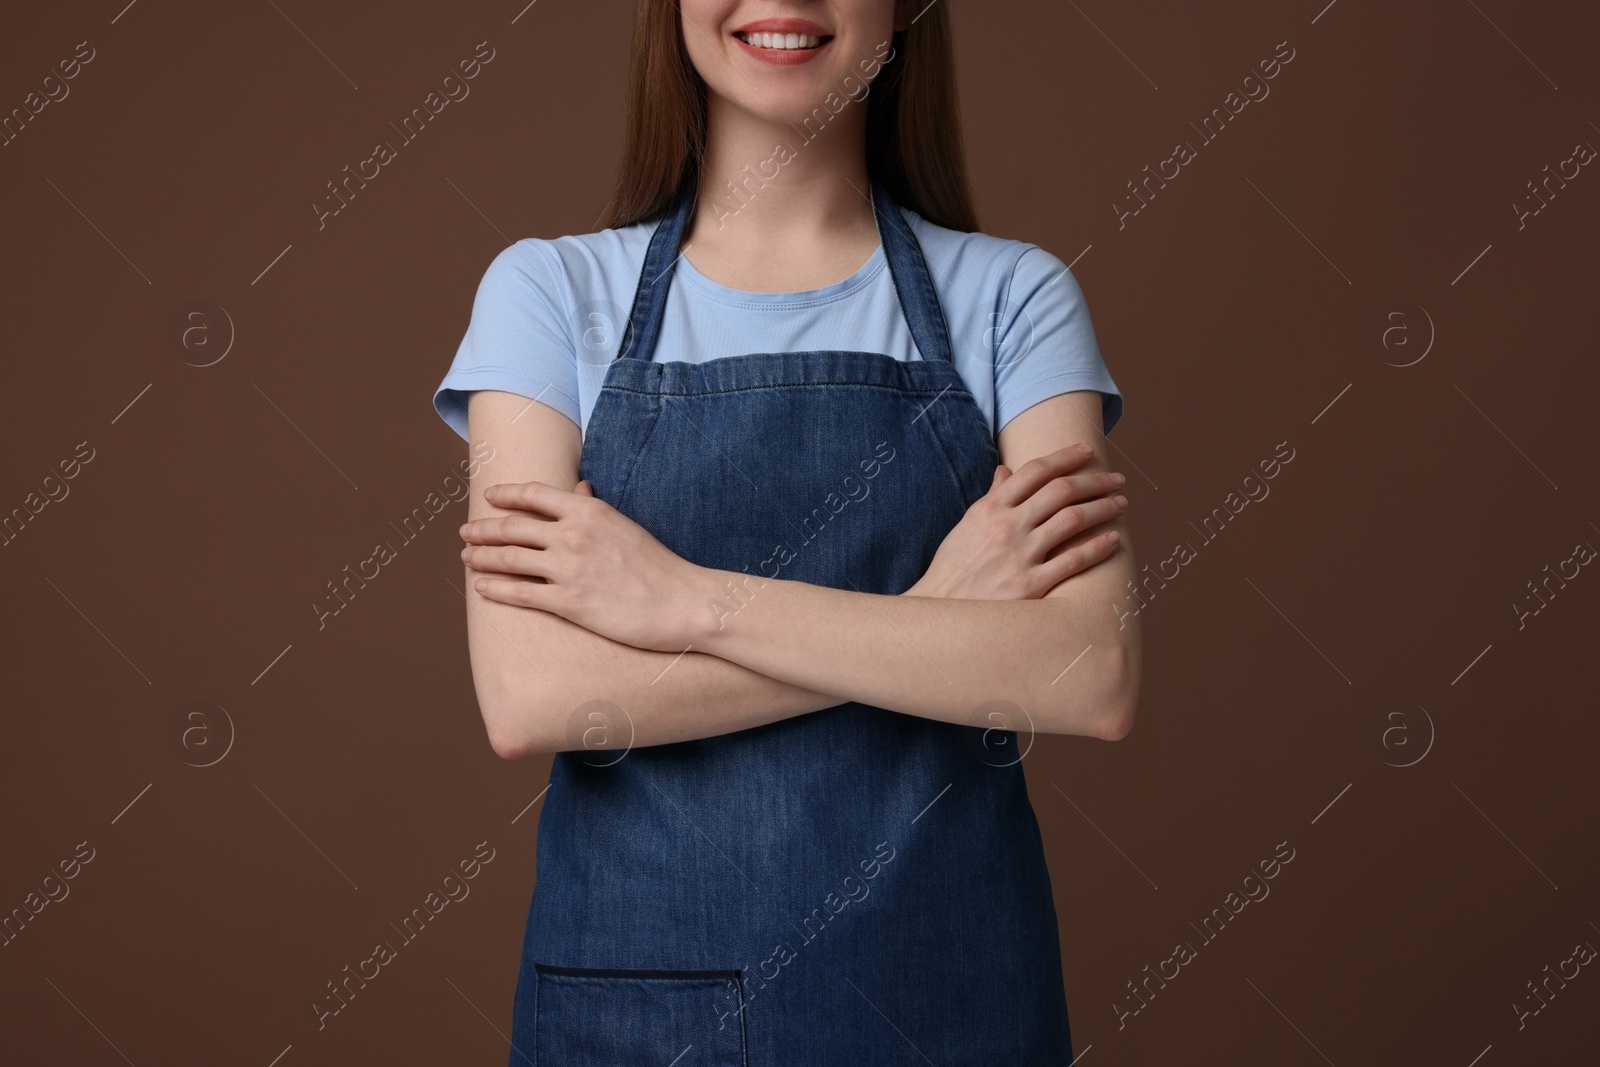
x: 1045, y: 343
x: 517, y: 340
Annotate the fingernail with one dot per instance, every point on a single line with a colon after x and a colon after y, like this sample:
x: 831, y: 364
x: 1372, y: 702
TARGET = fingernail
x: 464, y: 528
x: 1117, y: 479
x: 1122, y: 501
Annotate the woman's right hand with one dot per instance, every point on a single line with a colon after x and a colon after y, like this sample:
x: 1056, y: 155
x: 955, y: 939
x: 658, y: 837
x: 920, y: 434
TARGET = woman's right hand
x: 998, y: 550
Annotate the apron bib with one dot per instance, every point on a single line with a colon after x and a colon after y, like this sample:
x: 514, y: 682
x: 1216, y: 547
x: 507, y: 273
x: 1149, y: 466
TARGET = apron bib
x: 853, y: 885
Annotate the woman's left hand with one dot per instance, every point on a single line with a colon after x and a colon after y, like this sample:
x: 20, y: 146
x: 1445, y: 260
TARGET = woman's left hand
x: 599, y: 568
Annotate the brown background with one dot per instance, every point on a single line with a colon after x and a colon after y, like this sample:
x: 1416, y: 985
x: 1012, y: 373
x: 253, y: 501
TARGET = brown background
x: 1377, y: 578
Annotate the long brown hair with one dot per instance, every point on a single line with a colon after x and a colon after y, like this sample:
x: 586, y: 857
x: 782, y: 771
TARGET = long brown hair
x: 913, y: 122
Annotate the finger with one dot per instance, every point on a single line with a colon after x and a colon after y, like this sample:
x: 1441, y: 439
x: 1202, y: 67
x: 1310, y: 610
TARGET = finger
x: 516, y: 592
x: 515, y: 529
x: 1076, y: 560
x: 1067, y: 522
x: 1036, y: 472
x: 506, y: 559
x: 1068, y: 489
x: 583, y: 488
x: 540, y: 497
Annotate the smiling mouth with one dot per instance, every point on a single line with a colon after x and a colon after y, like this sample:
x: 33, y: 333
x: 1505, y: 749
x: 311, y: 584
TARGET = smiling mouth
x: 784, y: 42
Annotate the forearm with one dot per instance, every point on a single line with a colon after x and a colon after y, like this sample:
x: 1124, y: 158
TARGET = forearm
x: 537, y: 673
x: 945, y: 659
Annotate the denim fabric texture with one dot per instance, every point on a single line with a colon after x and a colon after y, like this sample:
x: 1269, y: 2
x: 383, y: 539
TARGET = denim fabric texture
x: 854, y: 885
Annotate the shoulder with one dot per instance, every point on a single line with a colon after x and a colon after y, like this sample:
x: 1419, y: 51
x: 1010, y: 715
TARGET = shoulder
x: 578, y: 286
x: 1018, y: 319
x: 584, y: 254
x: 987, y: 271
x: 997, y: 288
x: 572, y: 261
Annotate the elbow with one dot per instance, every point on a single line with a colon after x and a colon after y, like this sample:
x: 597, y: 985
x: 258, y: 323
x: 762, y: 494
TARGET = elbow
x: 506, y: 737
x: 1121, y: 698
x: 511, y: 722
x: 525, y: 718
x: 1116, y: 724
x: 506, y: 743
x: 517, y: 739
x: 517, y: 704
x: 1098, y: 698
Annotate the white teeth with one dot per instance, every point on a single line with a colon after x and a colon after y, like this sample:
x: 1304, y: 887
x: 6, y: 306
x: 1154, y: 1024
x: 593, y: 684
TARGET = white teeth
x: 781, y: 40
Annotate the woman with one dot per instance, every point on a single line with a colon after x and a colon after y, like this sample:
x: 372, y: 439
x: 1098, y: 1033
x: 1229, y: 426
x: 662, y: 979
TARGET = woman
x: 787, y: 632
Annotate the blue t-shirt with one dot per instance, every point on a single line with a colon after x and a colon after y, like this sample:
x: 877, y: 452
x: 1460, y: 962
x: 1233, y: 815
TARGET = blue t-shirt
x: 549, y: 315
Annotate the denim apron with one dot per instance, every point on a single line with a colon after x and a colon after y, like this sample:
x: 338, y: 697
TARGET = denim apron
x: 853, y: 885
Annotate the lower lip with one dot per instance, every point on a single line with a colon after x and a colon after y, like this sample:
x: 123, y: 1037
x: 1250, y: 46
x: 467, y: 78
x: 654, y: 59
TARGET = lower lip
x: 783, y: 57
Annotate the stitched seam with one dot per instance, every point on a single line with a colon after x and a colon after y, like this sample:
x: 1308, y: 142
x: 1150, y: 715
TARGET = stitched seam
x: 912, y: 390
x: 628, y: 972
x: 1005, y: 302
x: 744, y: 1033
x: 699, y: 286
x: 640, y: 300
x: 559, y: 271
x: 638, y: 454
x: 1085, y: 380
x: 939, y: 444
x: 535, y: 1015
x: 492, y: 368
x: 927, y: 274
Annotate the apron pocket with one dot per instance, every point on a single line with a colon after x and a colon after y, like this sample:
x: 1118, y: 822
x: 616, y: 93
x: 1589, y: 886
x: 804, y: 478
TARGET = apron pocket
x: 589, y: 1017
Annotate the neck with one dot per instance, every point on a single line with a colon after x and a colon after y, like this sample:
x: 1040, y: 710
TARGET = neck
x: 772, y: 184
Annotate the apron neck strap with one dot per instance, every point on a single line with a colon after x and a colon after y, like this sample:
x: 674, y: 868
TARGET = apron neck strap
x: 908, y: 268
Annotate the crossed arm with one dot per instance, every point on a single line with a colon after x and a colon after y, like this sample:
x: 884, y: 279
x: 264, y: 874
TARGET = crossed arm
x: 614, y: 660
